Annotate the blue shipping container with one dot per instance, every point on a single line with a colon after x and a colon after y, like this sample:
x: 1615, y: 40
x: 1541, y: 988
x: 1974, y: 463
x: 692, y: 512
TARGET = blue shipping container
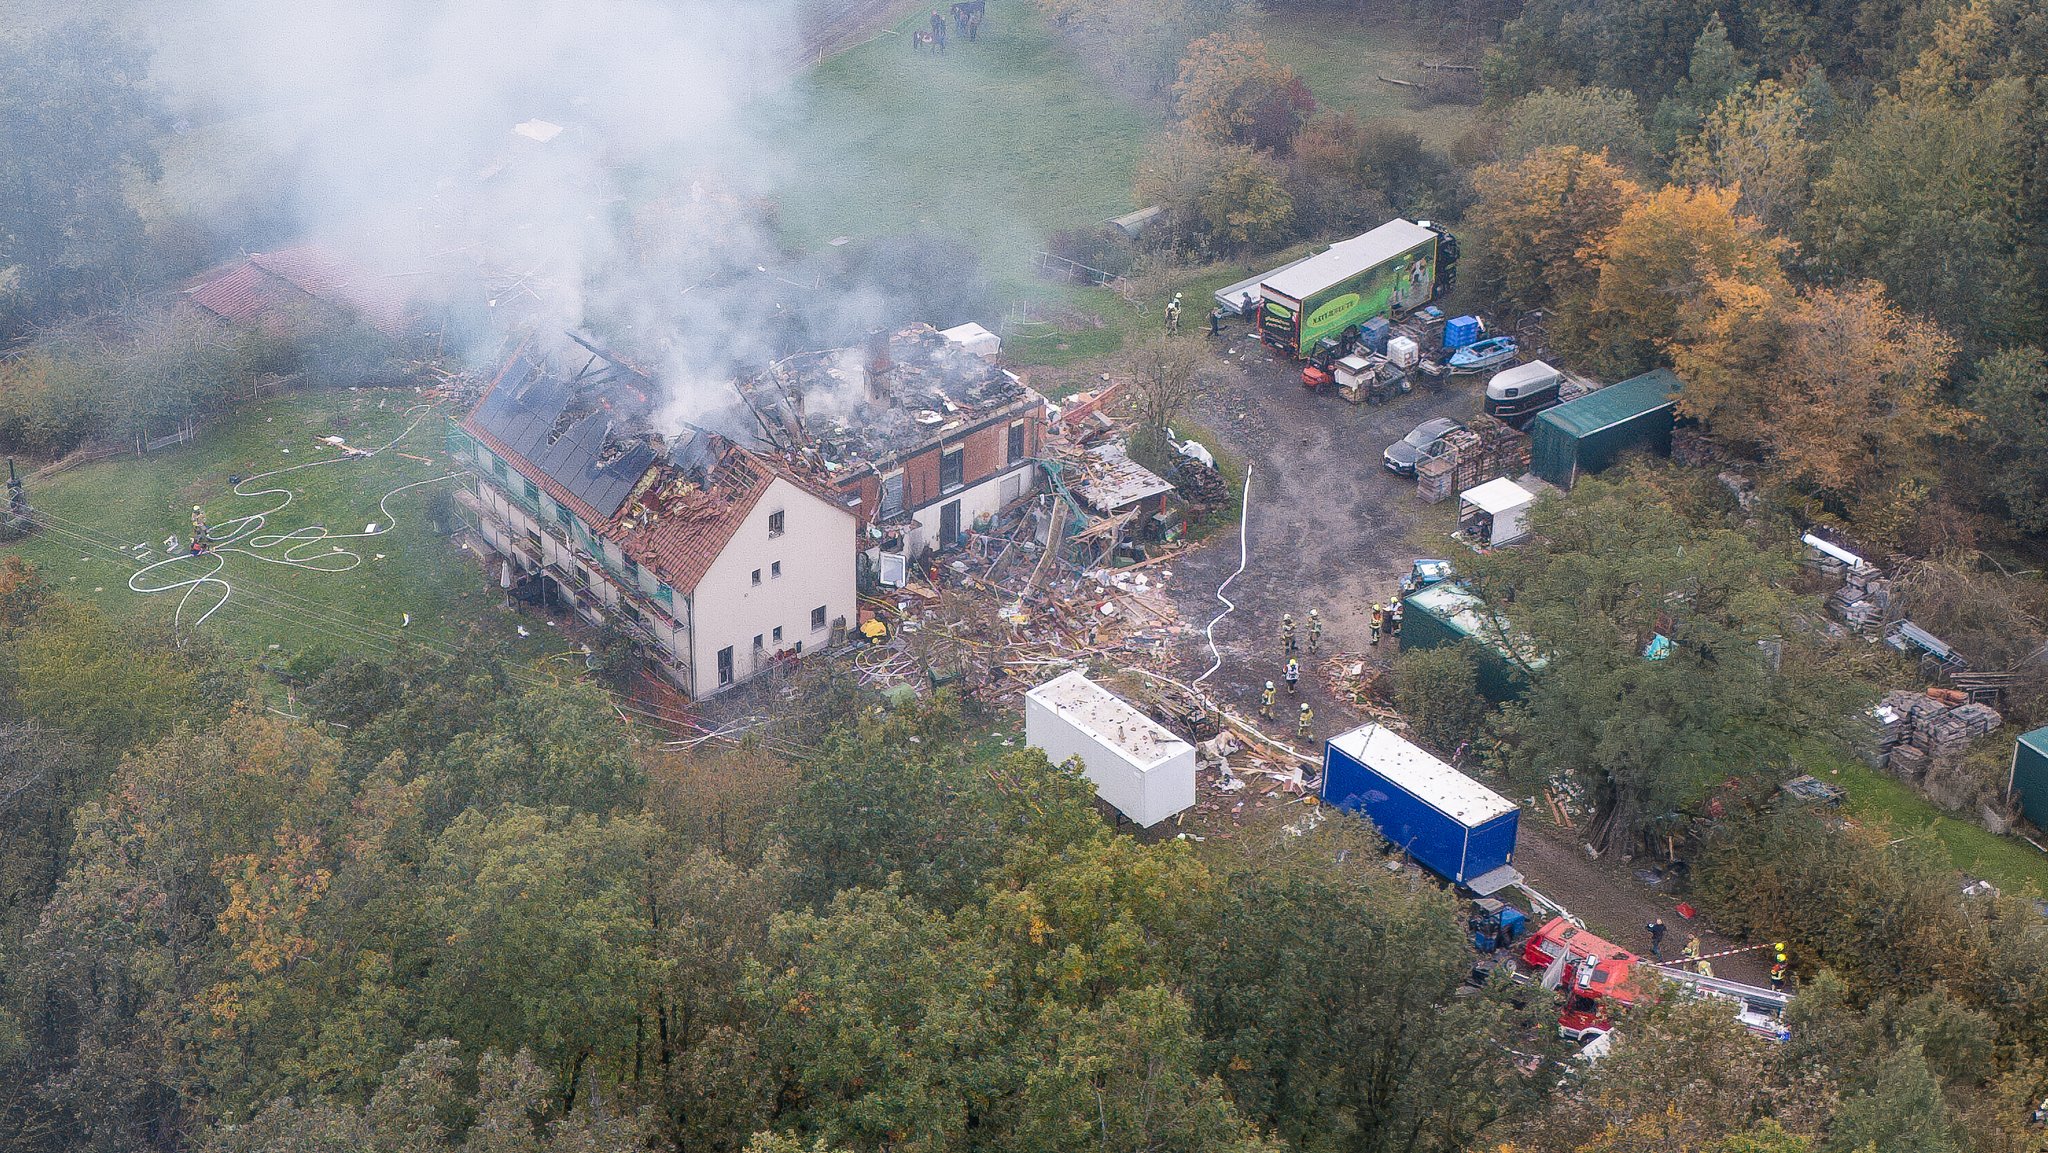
x: 1460, y: 331
x: 1451, y: 824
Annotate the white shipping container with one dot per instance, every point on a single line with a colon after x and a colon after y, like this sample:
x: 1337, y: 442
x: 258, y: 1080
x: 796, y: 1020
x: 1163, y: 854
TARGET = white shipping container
x: 1146, y: 772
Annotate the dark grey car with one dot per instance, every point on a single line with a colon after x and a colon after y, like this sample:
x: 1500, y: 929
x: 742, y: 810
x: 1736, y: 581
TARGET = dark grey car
x: 1403, y: 455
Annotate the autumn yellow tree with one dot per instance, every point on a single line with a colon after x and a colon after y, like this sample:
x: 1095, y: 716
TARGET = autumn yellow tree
x: 1662, y: 256
x: 1756, y: 141
x: 1544, y: 220
x: 1839, y: 390
x: 1231, y: 92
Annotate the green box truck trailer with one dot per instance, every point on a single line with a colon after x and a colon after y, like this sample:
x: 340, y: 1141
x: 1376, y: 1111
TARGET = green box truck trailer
x: 1588, y: 434
x: 1450, y: 614
x: 1395, y: 268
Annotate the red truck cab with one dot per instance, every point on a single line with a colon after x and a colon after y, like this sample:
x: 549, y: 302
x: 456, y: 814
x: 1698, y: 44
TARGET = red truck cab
x: 1596, y: 980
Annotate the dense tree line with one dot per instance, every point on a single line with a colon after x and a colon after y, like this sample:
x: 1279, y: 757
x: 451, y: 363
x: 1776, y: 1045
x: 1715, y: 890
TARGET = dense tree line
x: 448, y: 907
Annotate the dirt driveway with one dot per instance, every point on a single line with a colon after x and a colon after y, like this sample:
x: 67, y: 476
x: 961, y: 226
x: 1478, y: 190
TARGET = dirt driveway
x: 1329, y: 528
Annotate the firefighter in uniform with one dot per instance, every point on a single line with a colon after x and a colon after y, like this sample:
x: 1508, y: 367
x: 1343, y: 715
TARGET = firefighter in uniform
x: 1307, y: 715
x: 1266, y: 701
x: 1379, y: 620
x: 1780, y: 968
x: 1315, y: 630
x: 1394, y: 619
x: 1293, y: 676
x: 200, y: 539
x: 1287, y: 632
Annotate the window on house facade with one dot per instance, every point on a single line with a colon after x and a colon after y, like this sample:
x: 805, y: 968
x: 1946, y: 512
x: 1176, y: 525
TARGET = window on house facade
x: 778, y: 634
x: 952, y: 469
x: 533, y: 542
x: 665, y: 595
x: 725, y: 666
x: 818, y: 618
x: 1016, y: 442
x: 757, y: 576
x: 775, y: 523
x: 892, y: 496
x: 632, y: 570
x: 775, y: 569
x: 760, y: 642
x: 531, y: 489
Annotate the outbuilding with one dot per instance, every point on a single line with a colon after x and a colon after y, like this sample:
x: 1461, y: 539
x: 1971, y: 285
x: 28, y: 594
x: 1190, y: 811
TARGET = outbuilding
x: 1588, y: 434
x: 1144, y: 771
x: 1495, y: 513
x: 2029, y: 779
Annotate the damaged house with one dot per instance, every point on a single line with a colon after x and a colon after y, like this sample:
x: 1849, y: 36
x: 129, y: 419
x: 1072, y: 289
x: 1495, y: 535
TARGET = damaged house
x: 718, y: 560
x: 923, y: 433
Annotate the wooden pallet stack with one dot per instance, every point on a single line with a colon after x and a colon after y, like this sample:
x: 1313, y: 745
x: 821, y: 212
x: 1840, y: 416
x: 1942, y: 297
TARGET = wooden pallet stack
x: 1864, y: 602
x: 1914, y: 732
x: 1472, y: 456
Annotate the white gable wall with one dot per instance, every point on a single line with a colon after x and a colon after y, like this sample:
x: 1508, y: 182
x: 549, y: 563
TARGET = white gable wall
x: 816, y: 549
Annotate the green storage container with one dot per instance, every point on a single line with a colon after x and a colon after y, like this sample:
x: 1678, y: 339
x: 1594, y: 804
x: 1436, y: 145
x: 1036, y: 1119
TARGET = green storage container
x: 1590, y: 433
x: 2029, y: 775
x: 1448, y: 614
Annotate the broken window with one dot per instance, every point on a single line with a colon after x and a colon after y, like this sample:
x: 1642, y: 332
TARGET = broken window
x: 952, y: 469
x: 775, y: 523
x: 665, y: 595
x: 632, y: 568
x: 532, y: 489
x: 1016, y: 442
x: 818, y: 618
x: 725, y: 666
x: 759, y: 642
x: 892, y: 496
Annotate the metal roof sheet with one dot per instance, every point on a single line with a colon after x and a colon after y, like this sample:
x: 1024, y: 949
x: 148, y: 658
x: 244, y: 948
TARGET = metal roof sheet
x: 2036, y: 740
x: 1428, y: 779
x: 1614, y: 404
x: 1346, y: 258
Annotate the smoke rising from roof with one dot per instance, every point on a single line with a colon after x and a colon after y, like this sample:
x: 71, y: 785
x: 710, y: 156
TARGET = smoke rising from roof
x: 535, y: 165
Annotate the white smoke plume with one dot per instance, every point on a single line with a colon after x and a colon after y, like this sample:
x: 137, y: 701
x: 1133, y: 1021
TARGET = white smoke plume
x: 534, y: 164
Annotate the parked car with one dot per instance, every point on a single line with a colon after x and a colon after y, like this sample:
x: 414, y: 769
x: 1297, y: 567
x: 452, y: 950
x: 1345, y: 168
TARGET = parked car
x: 1403, y: 455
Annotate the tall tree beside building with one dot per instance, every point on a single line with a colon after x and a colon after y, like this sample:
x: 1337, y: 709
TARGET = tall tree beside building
x: 1839, y: 390
x: 1607, y: 122
x: 1657, y: 264
x: 1714, y: 72
x: 1543, y: 221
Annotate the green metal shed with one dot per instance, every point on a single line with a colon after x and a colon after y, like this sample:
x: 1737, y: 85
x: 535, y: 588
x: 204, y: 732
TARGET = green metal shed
x: 1449, y: 614
x: 2029, y: 775
x: 1588, y: 434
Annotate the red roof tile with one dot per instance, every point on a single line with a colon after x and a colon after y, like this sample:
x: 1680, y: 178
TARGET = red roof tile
x: 262, y: 287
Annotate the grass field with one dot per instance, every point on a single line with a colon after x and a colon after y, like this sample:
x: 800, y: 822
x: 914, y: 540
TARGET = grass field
x: 97, y: 514
x: 1343, y: 61
x: 2008, y: 862
x: 998, y: 142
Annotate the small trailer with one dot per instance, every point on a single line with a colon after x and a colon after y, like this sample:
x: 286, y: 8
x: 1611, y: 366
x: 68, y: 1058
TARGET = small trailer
x: 1447, y: 822
x: 1137, y: 766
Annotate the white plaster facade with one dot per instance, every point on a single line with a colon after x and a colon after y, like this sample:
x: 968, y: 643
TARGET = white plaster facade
x: 813, y: 592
